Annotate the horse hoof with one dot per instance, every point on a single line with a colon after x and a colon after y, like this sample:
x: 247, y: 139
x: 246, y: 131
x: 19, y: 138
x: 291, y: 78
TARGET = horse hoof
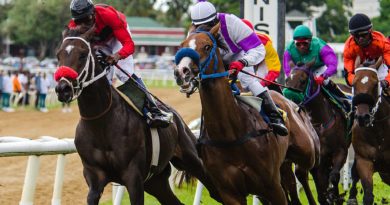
x: 352, y: 202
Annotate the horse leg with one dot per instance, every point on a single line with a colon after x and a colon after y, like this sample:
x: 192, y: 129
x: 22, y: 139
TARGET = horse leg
x: 320, y: 175
x: 134, y: 181
x: 303, y: 177
x: 288, y: 183
x: 158, y: 186
x: 275, y: 194
x: 353, y: 191
x: 96, y: 181
x: 366, y: 170
x: 334, y: 177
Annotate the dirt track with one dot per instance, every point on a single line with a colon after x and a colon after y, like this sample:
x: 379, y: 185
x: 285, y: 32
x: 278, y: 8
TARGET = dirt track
x: 32, y: 124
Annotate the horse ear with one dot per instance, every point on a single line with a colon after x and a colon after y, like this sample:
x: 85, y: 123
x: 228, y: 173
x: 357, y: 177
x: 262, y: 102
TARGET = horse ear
x: 90, y: 33
x: 215, y: 29
x: 378, y: 63
x: 65, y: 32
x: 291, y: 63
x: 357, y: 62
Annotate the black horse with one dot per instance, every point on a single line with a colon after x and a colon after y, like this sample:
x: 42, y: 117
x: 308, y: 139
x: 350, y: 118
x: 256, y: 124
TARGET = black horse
x: 112, y: 139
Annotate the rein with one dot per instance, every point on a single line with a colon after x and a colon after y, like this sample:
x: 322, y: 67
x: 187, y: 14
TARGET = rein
x: 101, y: 114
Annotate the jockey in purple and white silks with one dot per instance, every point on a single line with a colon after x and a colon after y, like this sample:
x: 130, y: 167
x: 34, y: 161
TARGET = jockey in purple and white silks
x: 244, y: 50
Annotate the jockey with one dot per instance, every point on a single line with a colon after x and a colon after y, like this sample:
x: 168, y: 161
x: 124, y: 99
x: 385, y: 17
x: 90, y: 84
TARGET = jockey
x: 114, y: 38
x: 369, y: 45
x: 305, y: 48
x: 269, y: 68
x: 244, y: 51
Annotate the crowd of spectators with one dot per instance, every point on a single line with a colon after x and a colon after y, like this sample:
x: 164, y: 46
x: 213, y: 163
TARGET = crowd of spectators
x: 25, y: 88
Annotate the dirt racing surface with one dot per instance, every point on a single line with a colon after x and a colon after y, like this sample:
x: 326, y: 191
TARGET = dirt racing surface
x: 28, y: 123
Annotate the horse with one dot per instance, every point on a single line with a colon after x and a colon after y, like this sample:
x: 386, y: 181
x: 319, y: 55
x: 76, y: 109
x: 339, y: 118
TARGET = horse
x: 331, y: 126
x: 113, y: 140
x: 370, y: 138
x: 240, y: 151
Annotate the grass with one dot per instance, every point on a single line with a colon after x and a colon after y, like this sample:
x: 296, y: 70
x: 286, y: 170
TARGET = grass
x: 187, y: 192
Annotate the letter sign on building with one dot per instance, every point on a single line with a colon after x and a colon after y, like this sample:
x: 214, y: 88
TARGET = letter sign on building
x: 264, y: 16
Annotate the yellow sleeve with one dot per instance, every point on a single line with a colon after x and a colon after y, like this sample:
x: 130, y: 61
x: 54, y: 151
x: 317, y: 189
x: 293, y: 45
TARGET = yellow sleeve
x: 271, y: 58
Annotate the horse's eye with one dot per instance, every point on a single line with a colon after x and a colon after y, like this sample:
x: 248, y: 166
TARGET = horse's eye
x: 207, y: 47
x: 83, y: 56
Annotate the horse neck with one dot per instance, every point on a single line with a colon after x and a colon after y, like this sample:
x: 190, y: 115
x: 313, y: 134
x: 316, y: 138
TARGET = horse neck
x: 222, y: 116
x: 383, y: 109
x: 319, y: 107
x: 95, y: 99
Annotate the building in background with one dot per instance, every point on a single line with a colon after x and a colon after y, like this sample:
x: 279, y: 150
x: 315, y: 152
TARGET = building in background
x: 370, y: 8
x: 152, y: 38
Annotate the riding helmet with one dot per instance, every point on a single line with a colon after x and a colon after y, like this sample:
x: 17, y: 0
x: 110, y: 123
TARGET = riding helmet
x: 302, y: 31
x: 80, y: 9
x: 203, y: 12
x: 359, y: 22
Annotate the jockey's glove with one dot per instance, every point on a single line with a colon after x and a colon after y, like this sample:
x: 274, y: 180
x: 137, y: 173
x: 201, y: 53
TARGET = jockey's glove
x: 113, y: 59
x: 235, y: 67
x: 384, y: 83
x: 319, y: 79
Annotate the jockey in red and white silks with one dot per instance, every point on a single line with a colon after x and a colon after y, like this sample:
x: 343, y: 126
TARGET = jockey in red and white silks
x: 114, y: 37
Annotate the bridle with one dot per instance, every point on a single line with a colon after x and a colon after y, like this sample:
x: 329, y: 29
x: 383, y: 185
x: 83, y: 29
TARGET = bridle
x: 191, y: 53
x: 374, y: 109
x: 82, y: 81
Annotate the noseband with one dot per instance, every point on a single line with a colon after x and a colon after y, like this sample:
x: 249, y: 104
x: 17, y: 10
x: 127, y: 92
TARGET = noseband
x: 82, y: 79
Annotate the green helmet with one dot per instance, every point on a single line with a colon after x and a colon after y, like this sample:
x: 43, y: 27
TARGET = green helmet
x: 302, y: 31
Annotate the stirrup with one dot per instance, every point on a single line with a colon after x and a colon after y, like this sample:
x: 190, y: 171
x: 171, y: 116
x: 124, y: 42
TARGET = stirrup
x: 279, y: 128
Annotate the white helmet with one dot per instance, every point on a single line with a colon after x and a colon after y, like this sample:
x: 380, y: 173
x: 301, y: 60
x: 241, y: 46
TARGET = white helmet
x: 203, y: 12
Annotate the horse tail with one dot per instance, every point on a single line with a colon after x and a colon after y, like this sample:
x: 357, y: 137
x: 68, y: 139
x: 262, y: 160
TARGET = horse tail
x: 179, y: 177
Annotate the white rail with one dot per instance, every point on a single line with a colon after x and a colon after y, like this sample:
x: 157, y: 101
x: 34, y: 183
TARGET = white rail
x: 46, y: 145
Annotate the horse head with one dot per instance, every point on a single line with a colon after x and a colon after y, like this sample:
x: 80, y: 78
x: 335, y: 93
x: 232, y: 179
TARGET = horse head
x: 198, y: 59
x: 76, y: 63
x: 300, y: 78
x: 366, y: 90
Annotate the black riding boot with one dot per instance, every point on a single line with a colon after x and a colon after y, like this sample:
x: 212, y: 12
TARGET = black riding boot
x: 156, y: 117
x: 273, y: 114
x: 340, y: 96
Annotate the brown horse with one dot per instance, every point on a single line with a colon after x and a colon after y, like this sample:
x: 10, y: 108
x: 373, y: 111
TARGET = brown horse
x: 370, y: 132
x: 112, y: 139
x: 331, y: 126
x: 239, y: 149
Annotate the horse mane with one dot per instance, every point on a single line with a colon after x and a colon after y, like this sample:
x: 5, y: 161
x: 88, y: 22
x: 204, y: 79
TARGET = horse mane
x: 218, y: 38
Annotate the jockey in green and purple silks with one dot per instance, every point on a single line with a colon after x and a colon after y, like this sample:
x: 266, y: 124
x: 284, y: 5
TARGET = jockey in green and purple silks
x: 306, y: 48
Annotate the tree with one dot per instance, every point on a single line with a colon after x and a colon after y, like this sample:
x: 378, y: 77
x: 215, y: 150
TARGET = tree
x: 380, y: 23
x: 303, y: 5
x: 134, y: 8
x: 333, y: 24
x: 37, y: 23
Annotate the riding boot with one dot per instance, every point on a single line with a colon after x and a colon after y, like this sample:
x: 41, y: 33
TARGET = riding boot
x: 155, y: 117
x: 340, y: 96
x: 273, y: 114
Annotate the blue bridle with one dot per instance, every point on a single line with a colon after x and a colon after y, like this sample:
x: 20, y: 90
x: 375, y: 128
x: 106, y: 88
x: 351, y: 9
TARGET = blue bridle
x: 195, y: 57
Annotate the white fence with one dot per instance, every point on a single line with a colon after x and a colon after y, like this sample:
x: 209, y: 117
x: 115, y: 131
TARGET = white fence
x: 46, y: 145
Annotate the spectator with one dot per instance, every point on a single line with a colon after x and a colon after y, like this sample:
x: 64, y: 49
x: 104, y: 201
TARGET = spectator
x: 1, y: 84
x: 37, y: 88
x: 45, y: 84
x: 7, y: 90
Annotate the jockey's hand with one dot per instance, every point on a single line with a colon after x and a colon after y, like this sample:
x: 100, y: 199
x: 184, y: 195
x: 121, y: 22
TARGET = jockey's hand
x: 319, y: 79
x: 235, y: 67
x: 113, y: 59
x: 384, y: 84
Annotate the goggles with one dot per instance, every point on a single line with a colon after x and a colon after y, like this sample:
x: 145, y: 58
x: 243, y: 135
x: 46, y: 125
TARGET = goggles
x: 302, y: 42
x: 361, y: 34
